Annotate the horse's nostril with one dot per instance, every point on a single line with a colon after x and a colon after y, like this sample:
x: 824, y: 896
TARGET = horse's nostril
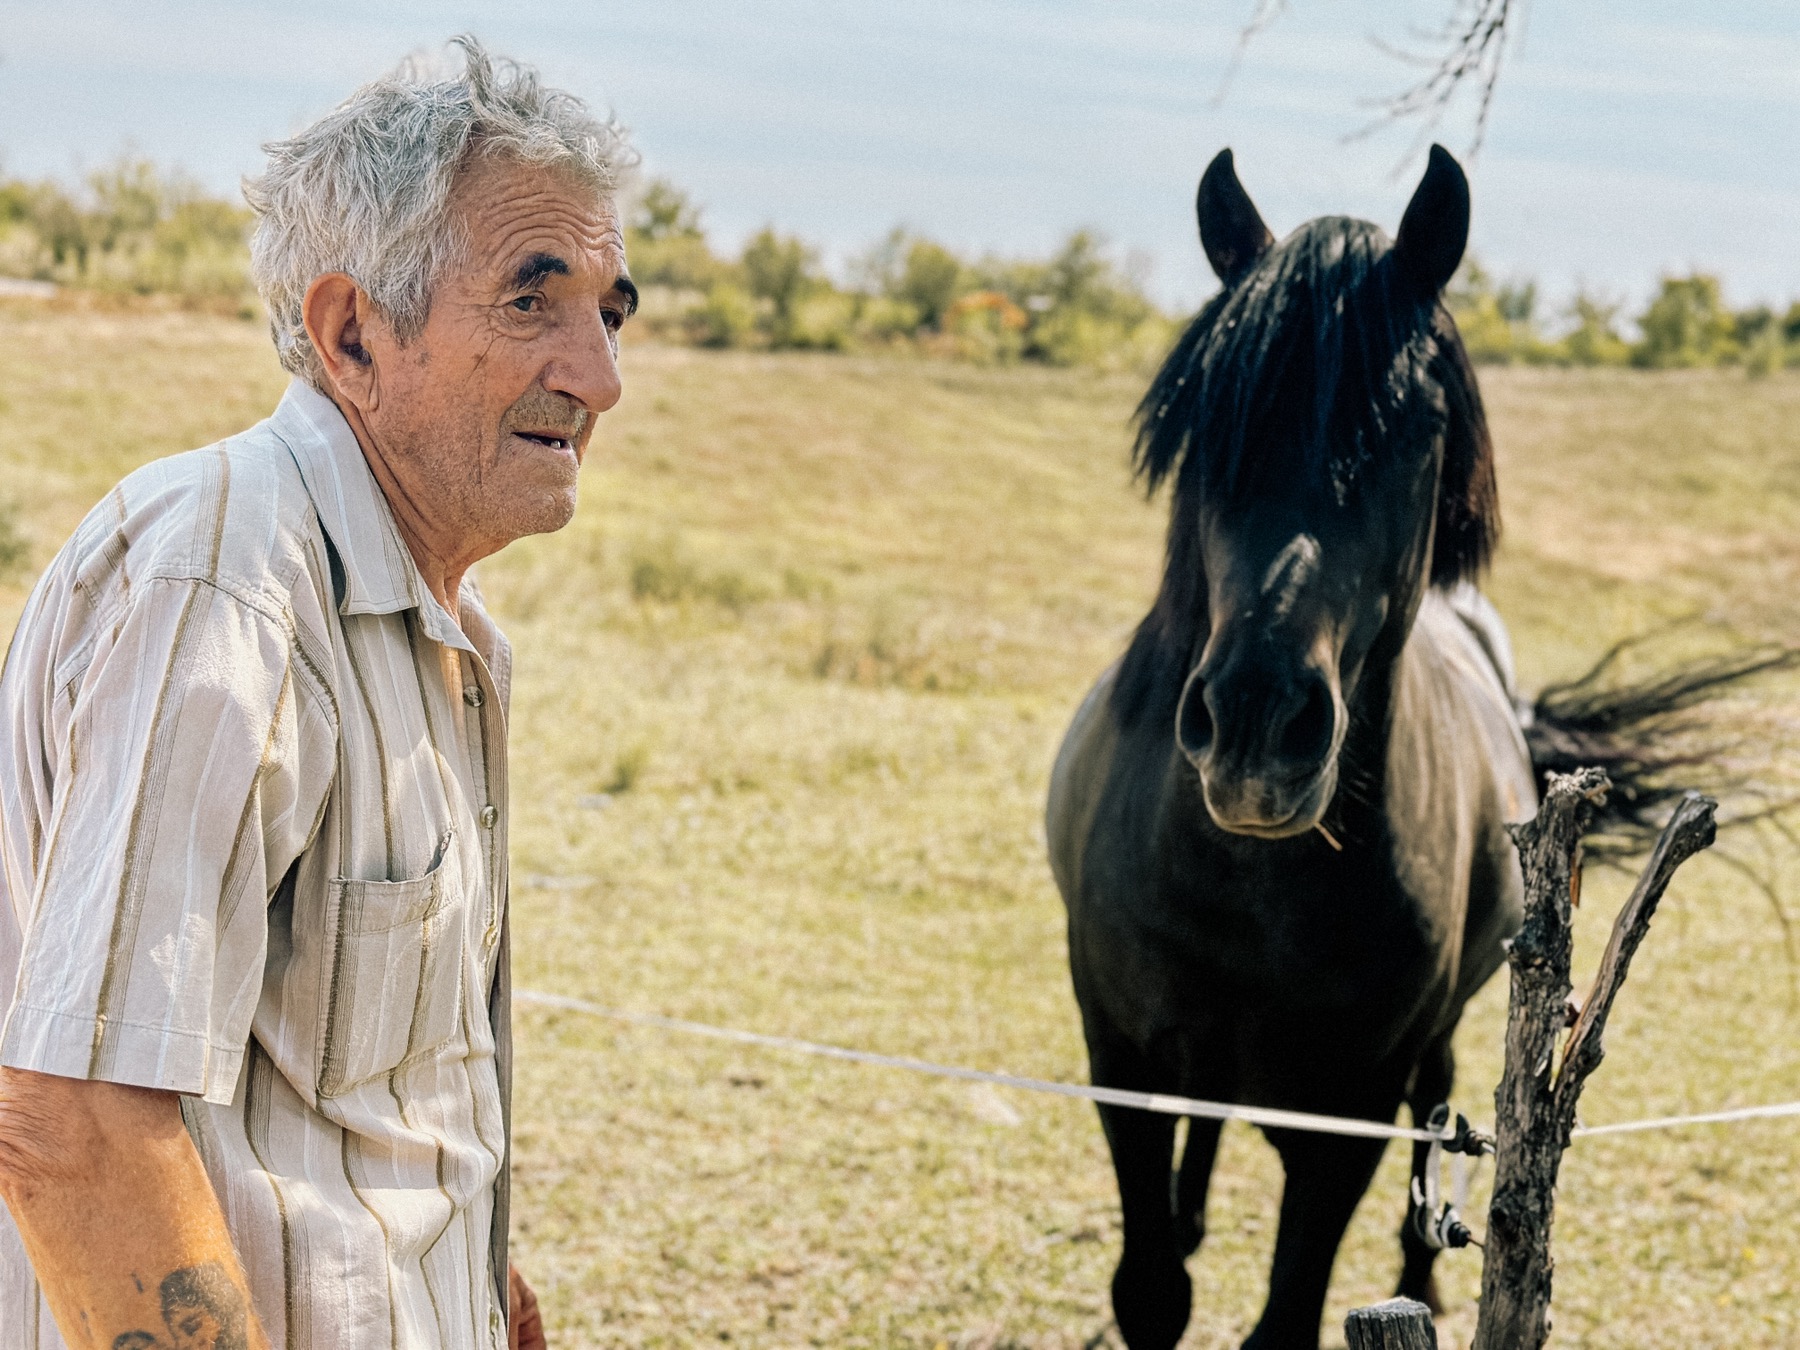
x: 1307, y: 738
x: 1193, y: 723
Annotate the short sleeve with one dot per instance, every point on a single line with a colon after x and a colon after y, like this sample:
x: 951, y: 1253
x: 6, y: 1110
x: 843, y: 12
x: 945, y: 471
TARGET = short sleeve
x: 177, y: 800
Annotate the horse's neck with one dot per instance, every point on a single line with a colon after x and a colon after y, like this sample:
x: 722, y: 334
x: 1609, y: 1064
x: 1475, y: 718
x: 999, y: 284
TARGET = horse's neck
x: 1439, y: 725
x: 1380, y: 715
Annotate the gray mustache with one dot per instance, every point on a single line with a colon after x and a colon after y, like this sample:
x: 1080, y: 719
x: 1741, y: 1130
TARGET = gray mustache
x: 544, y: 413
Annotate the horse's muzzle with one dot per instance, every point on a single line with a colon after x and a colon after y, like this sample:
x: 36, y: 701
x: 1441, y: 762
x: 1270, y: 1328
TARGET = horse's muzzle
x: 1265, y: 750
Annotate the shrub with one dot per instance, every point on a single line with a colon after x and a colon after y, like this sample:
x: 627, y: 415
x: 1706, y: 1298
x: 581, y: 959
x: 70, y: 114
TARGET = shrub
x: 1498, y: 321
x: 823, y: 319
x: 987, y: 327
x: 132, y: 228
x: 664, y: 244
x: 1595, y: 340
x: 881, y: 319
x: 780, y: 269
x: 1687, y: 324
x: 727, y: 318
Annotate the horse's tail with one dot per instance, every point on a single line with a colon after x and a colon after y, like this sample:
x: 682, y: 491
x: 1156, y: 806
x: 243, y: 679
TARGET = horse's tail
x: 1658, y: 738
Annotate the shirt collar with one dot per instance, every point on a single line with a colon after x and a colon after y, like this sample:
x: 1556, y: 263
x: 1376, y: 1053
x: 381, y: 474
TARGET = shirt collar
x: 378, y: 573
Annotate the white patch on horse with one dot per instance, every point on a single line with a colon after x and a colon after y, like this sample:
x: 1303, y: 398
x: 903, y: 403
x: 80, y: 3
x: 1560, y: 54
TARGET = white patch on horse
x: 1292, y: 569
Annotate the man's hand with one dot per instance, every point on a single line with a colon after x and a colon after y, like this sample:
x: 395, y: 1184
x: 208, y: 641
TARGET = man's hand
x: 526, y: 1326
x: 119, y: 1218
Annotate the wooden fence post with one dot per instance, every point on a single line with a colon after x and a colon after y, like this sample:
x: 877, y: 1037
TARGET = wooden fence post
x: 1535, y: 1103
x: 1398, y: 1324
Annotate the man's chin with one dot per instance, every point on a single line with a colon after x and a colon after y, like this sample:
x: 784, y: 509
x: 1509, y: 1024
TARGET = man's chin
x: 554, y: 511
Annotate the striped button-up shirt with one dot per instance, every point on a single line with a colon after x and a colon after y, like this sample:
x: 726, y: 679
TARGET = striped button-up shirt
x: 253, y: 851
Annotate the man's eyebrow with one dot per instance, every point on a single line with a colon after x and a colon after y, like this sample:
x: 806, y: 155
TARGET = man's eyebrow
x: 626, y: 287
x: 535, y: 268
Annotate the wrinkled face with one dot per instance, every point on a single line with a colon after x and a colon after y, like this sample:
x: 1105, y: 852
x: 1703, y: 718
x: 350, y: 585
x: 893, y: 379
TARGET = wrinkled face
x: 490, y: 408
x: 1299, y: 588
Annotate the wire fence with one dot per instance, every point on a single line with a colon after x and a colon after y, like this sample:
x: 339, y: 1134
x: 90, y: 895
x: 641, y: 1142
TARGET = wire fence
x: 1162, y: 1103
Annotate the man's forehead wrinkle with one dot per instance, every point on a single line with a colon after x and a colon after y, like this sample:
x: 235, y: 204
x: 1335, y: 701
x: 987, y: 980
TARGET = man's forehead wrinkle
x: 507, y: 221
x: 531, y: 252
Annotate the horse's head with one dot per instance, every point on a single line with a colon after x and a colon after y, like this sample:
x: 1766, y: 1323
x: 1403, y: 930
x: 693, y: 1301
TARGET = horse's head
x: 1330, y: 457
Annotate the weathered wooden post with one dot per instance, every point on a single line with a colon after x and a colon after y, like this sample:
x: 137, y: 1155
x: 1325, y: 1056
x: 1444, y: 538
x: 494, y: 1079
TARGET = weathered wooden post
x: 1535, y: 1102
x: 1398, y: 1324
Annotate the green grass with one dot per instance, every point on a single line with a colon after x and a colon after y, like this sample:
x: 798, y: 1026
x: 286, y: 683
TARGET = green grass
x: 787, y: 693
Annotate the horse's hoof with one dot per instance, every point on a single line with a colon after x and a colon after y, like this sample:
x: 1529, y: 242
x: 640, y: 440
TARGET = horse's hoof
x: 1152, y: 1306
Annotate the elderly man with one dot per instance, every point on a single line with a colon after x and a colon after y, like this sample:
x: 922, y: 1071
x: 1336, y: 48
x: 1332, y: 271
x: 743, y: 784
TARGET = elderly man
x: 253, y: 801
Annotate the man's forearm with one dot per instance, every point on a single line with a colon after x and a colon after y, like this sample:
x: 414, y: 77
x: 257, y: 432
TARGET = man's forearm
x: 119, y: 1218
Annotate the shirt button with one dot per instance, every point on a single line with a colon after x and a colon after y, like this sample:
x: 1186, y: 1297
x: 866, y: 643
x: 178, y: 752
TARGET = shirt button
x: 489, y: 815
x: 473, y: 696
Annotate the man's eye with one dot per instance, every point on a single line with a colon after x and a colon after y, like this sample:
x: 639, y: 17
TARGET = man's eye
x: 614, y: 319
x: 526, y: 304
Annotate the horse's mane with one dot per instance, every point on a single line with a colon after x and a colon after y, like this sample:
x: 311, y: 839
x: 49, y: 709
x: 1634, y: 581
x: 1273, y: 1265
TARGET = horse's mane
x: 1306, y: 367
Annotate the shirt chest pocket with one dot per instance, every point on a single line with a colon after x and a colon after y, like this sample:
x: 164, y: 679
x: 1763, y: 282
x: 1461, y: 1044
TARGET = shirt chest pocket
x: 394, y: 970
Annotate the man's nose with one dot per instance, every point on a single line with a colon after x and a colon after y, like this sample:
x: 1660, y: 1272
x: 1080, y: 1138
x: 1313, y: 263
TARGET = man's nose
x: 587, y: 367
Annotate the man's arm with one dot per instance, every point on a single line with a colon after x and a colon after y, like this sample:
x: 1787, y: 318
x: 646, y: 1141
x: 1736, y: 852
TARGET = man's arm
x: 119, y: 1218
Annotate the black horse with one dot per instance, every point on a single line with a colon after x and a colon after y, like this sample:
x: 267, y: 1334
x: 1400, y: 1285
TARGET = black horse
x: 1278, y: 822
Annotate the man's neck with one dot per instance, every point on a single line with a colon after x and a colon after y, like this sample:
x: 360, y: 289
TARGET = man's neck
x: 439, y: 568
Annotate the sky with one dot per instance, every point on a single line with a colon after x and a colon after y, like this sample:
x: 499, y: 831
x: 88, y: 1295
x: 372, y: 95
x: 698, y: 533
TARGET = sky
x: 1626, y: 141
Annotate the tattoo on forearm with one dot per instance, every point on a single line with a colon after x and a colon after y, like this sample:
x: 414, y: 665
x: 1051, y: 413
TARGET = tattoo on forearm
x: 202, y: 1308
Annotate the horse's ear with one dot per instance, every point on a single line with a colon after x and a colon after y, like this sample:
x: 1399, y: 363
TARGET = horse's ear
x: 1435, y: 229
x: 1231, y: 231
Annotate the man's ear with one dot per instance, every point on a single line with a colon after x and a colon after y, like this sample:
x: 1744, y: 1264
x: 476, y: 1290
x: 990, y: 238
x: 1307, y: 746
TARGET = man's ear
x: 337, y: 314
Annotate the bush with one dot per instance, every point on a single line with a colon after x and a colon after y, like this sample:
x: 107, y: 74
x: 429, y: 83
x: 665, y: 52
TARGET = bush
x: 665, y: 244
x: 1687, y: 324
x: 727, y: 318
x: 823, y: 319
x: 881, y: 319
x: 1498, y: 322
x: 132, y: 228
x: 1595, y: 340
x: 987, y: 327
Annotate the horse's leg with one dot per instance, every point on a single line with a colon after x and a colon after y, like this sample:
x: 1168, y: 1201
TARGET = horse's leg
x: 1326, y: 1176
x: 1191, y: 1182
x: 1431, y: 1088
x: 1151, y: 1293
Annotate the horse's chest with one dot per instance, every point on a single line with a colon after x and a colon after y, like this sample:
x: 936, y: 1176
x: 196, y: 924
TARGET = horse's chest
x: 1324, y: 944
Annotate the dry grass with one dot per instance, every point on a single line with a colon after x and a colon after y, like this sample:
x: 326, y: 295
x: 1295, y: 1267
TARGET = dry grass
x: 787, y: 695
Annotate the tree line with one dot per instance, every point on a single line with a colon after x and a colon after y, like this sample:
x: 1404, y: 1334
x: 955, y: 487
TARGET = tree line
x: 131, y: 228
x: 1077, y: 307
x: 1686, y: 324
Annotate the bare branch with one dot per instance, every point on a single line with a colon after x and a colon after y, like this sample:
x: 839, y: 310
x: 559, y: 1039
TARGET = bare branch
x: 1261, y: 18
x: 1472, y: 47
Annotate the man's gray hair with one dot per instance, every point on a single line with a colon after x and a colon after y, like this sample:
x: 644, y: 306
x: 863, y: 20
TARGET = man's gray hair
x: 366, y: 189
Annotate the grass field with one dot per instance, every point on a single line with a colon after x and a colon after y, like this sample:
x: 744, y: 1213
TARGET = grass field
x: 787, y: 694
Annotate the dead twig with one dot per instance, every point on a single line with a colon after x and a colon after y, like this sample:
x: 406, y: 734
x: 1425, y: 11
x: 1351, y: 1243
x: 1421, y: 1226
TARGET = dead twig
x: 1534, y: 1106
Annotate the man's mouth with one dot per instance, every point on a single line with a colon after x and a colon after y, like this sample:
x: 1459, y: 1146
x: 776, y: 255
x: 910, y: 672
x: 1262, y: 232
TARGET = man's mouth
x: 560, y: 443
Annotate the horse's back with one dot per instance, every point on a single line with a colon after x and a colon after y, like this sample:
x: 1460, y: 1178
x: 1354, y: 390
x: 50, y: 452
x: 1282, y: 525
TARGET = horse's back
x: 1461, y: 632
